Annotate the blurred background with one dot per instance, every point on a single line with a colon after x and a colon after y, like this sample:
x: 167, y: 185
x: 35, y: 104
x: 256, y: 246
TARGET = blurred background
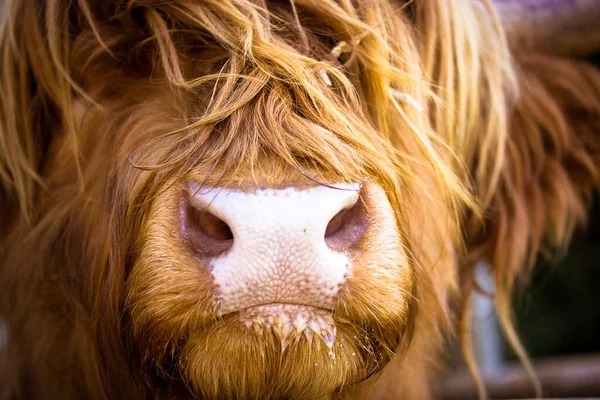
x: 558, y: 319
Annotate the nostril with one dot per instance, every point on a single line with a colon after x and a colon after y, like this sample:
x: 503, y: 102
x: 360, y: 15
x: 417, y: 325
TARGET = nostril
x: 213, y: 226
x: 336, y: 223
x: 209, y: 234
x: 346, y: 227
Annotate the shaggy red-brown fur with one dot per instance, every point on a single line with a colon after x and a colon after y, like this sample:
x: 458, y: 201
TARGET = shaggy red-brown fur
x: 109, y: 107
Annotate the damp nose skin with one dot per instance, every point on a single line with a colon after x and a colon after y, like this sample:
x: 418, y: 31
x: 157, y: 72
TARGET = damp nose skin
x: 278, y: 245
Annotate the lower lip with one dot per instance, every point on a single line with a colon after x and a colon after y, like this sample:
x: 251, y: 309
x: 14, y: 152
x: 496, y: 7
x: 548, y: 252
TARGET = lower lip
x: 291, y: 322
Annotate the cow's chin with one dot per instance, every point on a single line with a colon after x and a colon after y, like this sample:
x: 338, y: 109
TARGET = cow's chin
x: 282, y: 351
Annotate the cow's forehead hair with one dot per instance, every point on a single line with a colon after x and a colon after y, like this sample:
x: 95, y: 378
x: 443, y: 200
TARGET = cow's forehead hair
x: 263, y: 135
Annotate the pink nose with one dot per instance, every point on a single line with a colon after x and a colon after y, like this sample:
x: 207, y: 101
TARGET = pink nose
x: 275, y: 246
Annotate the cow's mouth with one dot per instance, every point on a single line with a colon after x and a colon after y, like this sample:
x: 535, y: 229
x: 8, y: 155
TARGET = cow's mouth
x: 291, y: 322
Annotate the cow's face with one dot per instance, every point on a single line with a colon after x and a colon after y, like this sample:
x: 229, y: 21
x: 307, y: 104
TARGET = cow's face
x: 261, y: 228
x: 262, y: 278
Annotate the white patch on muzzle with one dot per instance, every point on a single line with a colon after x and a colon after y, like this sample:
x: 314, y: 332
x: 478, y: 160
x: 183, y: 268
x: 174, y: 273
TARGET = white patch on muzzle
x: 279, y: 254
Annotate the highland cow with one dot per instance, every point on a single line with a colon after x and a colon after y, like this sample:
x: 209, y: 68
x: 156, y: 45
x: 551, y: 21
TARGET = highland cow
x: 278, y: 199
